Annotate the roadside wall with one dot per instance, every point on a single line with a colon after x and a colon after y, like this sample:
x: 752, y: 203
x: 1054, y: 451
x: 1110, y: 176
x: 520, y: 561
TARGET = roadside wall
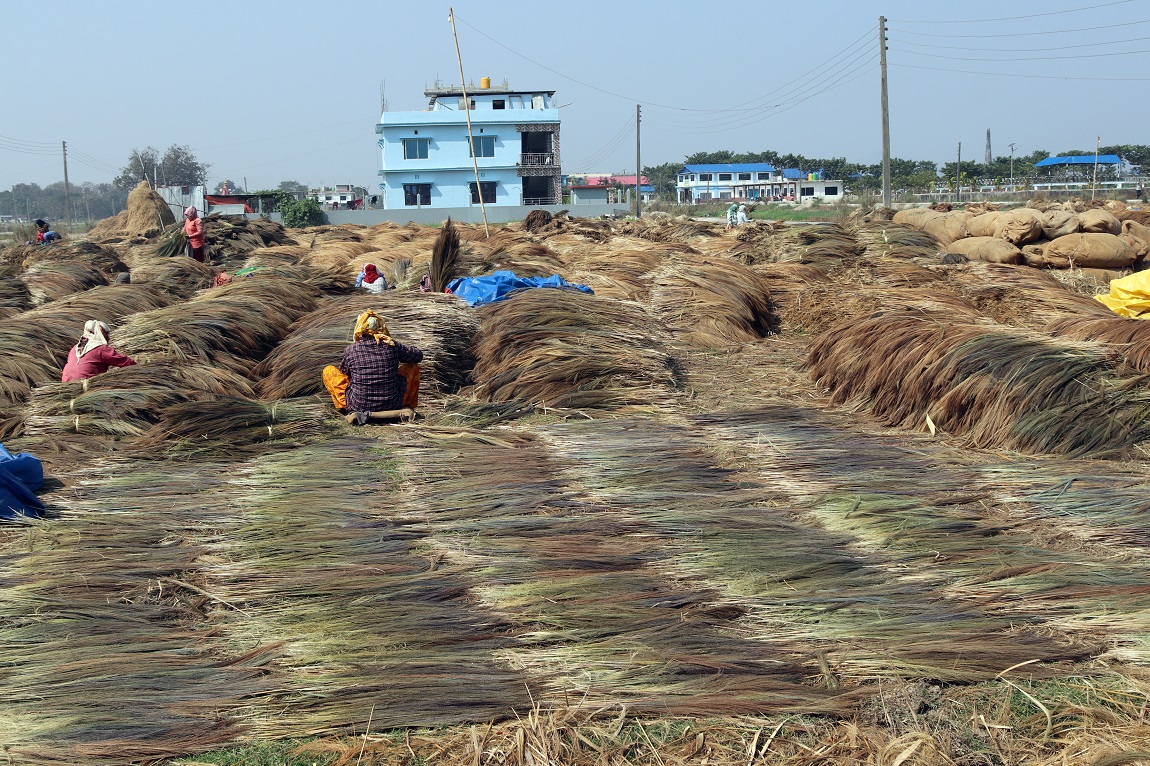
x: 429, y: 215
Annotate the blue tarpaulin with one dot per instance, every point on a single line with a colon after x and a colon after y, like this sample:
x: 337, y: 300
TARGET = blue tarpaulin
x: 479, y: 291
x: 20, y: 476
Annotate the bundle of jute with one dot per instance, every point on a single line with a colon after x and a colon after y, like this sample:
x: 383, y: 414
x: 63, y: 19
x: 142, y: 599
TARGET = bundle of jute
x: 127, y: 401
x: 182, y: 277
x: 103, y: 258
x: 227, y: 424
x: 559, y: 348
x: 894, y: 240
x: 711, y: 302
x: 1018, y: 295
x: 439, y: 325
x: 993, y: 386
x: 49, y: 281
x: 1130, y: 338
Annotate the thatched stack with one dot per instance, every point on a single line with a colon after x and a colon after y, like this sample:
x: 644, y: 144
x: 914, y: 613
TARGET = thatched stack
x: 439, y: 325
x: 713, y: 302
x: 992, y: 386
x: 554, y: 348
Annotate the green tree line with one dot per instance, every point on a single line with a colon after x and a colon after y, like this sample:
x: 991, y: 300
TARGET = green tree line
x: 905, y: 174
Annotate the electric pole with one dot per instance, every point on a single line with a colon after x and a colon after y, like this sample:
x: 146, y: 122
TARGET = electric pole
x: 885, y: 113
x: 67, y: 188
x: 1093, y: 187
x: 1012, y: 167
x: 638, y: 168
x: 958, y: 175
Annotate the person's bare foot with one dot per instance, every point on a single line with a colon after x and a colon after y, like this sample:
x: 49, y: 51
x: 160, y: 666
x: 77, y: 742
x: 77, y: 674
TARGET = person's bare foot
x: 350, y: 418
x: 406, y: 415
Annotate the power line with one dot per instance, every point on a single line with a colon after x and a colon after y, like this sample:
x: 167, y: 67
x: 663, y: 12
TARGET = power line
x: 1013, y: 18
x: 1023, y: 50
x: 1027, y: 76
x: 1029, y: 34
x: 30, y: 144
x: 1022, y: 58
x: 610, y: 146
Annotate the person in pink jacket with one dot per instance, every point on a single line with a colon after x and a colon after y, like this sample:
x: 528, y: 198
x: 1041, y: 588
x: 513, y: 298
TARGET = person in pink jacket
x: 194, y: 231
x: 93, y: 354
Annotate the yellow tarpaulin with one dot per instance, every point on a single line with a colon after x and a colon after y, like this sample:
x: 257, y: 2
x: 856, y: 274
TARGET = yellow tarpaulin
x: 1129, y: 296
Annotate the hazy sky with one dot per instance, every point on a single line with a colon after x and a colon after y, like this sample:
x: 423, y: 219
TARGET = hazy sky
x: 290, y: 90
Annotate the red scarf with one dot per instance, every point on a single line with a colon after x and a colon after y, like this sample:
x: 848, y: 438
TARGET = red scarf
x: 370, y: 274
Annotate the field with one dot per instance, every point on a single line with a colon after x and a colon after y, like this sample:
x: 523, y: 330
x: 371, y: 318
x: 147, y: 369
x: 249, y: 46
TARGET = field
x: 788, y: 495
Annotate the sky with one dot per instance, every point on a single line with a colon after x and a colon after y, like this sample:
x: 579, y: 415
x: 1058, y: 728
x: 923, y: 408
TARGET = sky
x: 291, y: 90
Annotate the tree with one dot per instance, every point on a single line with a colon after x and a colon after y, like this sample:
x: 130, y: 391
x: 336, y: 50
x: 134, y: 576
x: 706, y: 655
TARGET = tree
x: 142, y: 164
x: 179, y: 167
x: 301, y: 213
x: 663, y: 177
x: 292, y: 187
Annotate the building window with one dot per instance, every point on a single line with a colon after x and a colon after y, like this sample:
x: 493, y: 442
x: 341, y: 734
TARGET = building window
x: 463, y: 104
x: 806, y: 191
x: 483, y: 146
x: 498, y: 103
x: 704, y: 196
x: 704, y: 176
x: 831, y: 191
x: 416, y: 194
x: 744, y: 176
x: 764, y: 176
x: 724, y: 195
x: 415, y: 148
x: 724, y: 176
x: 537, y: 102
x: 488, y: 189
x: 517, y: 102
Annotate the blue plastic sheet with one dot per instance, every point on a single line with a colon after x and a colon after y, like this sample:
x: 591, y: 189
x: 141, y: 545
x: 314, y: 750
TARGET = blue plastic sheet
x: 21, y: 474
x: 479, y: 291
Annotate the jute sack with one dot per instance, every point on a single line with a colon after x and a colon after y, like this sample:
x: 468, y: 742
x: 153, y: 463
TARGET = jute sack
x: 1059, y: 223
x: 1135, y: 230
x: 948, y: 227
x: 1019, y: 227
x: 1034, y: 255
x: 989, y: 249
x: 916, y: 217
x: 1091, y: 250
x: 1098, y: 221
x: 983, y: 225
x: 1102, y: 277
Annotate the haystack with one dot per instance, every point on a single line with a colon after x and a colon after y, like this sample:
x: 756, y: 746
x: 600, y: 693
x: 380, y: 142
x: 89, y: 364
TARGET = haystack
x: 439, y: 325
x: 713, y: 303
x: 148, y: 214
x: 993, y: 386
x: 560, y: 348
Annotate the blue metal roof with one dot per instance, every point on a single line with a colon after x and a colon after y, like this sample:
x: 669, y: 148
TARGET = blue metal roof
x: 736, y: 167
x: 793, y: 174
x: 1103, y: 159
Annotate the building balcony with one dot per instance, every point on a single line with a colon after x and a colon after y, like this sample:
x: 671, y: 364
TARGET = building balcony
x: 534, y: 159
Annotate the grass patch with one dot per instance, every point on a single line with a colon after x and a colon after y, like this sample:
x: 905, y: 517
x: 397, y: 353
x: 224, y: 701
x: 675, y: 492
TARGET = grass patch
x: 280, y: 753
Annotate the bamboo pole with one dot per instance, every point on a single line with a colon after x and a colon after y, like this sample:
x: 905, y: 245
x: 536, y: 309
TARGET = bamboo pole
x: 467, y: 112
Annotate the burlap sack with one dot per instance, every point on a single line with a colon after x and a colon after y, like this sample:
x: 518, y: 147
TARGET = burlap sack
x: 1091, y: 250
x: 1019, y: 227
x: 1098, y: 221
x: 983, y: 225
x: 989, y: 249
x: 1102, y: 277
x: 916, y: 217
x: 1138, y: 232
x: 1034, y: 255
x: 948, y: 227
x: 1059, y: 223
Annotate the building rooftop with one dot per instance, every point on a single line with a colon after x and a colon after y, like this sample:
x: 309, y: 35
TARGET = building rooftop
x: 735, y: 167
x: 448, y: 91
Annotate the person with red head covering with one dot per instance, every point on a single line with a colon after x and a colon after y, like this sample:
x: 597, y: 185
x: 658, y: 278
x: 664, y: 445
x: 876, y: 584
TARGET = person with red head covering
x: 370, y: 279
x: 194, y: 231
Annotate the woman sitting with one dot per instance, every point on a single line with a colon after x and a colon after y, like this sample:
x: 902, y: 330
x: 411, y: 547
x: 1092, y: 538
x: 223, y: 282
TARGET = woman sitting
x: 370, y: 279
x: 92, y: 354
x: 369, y: 382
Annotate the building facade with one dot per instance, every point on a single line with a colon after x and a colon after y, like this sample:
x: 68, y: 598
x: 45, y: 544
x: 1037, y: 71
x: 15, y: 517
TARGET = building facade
x: 426, y: 159
x: 752, y: 181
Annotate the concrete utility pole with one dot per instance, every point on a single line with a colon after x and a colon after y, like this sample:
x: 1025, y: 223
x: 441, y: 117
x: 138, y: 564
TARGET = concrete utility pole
x: 958, y: 176
x: 989, y: 159
x: 67, y: 188
x: 1012, y: 167
x: 638, y: 168
x: 885, y: 112
x: 1093, y: 187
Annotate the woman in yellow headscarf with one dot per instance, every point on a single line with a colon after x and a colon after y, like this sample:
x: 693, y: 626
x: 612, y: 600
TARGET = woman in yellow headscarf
x: 369, y: 377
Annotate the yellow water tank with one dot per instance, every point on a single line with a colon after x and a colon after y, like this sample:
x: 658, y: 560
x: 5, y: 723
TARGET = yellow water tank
x: 485, y: 82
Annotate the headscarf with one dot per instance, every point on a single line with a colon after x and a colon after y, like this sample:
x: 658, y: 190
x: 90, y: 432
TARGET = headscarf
x: 95, y: 335
x: 370, y: 273
x: 371, y: 325
x: 191, y: 212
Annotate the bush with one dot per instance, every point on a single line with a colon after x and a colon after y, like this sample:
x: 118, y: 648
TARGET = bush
x: 301, y: 213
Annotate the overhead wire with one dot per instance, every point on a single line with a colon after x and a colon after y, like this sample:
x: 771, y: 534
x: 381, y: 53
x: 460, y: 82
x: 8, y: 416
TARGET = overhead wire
x: 611, y: 144
x: 1013, y: 18
x: 1025, y: 76
x: 1021, y: 58
x: 1023, y: 50
x: 1025, y: 34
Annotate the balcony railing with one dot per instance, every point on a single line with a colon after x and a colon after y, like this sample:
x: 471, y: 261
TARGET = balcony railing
x: 536, y: 159
x: 540, y: 201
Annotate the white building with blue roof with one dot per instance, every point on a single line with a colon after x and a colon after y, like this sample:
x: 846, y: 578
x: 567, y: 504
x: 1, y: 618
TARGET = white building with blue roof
x: 752, y: 181
x: 426, y: 159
